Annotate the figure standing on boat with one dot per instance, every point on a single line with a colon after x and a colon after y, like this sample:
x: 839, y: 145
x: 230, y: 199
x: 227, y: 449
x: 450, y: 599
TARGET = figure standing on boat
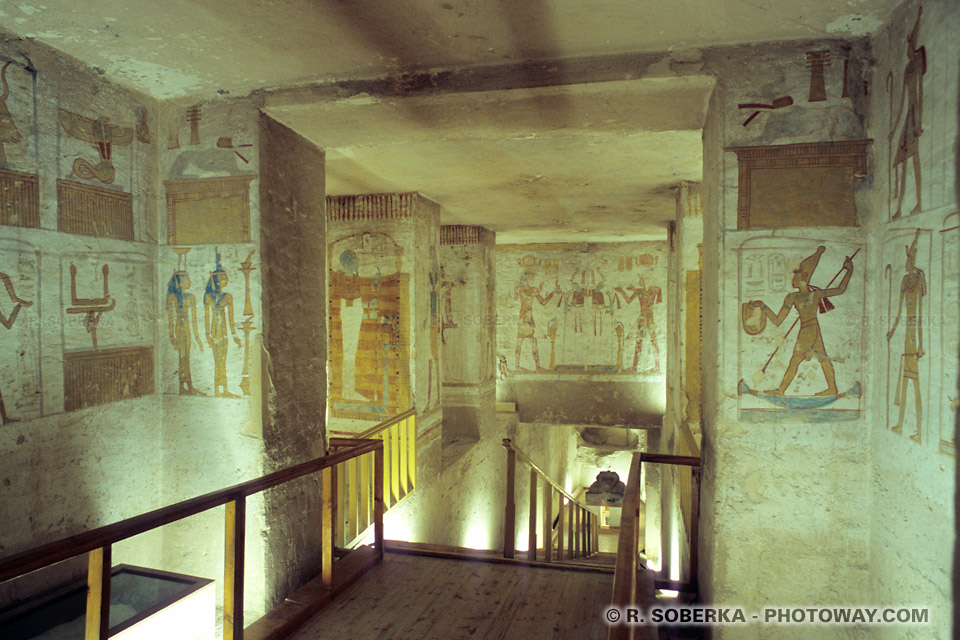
x: 808, y: 301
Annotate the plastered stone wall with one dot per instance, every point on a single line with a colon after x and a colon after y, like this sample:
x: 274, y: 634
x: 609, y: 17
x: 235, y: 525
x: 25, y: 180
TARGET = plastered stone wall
x: 68, y: 204
x: 911, y: 320
x: 210, y: 264
x: 786, y: 488
x: 462, y: 505
x: 581, y: 336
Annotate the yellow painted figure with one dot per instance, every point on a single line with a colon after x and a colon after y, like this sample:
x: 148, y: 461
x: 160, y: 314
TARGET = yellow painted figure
x: 913, y: 288
x: 808, y: 301
x: 217, y: 317
x: 182, y: 315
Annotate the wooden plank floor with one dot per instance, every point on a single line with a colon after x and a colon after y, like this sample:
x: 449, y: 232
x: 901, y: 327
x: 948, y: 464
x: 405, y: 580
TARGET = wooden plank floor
x: 416, y: 597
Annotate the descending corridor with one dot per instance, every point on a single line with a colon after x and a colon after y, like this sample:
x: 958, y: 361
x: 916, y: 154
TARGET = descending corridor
x: 435, y: 598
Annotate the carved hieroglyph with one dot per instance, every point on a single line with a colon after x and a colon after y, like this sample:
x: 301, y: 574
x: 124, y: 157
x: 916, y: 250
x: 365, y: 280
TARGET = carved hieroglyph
x: 92, y: 378
x: 20, y: 393
x: 19, y: 199
x: 108, y: 327
x: 368, y: 327
x: 103, y: 136
x: 800, y: 339
x: 108, y: 300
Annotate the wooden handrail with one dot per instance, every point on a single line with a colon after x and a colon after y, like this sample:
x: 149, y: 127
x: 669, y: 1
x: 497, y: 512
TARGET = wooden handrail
x: 22, y: 563
x: 667, y: 458
x: 386, y: 424
x: 583, y: 525
x: 628, y: 548
x: 99, y: 542
x: 628, y: 590
x: 399, y: 436
x: 526, y: 460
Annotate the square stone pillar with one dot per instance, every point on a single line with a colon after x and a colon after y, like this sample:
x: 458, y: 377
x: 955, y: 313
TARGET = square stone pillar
x: 468, y: 334
x: 383, y: 312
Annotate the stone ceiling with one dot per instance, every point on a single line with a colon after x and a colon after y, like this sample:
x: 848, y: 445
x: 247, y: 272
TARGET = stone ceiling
x: 171, y: 48
x: 580, y: 162
x: 585, y: 163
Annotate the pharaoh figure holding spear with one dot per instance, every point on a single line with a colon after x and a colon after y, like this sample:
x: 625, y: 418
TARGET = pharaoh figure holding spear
x: 808, y: 301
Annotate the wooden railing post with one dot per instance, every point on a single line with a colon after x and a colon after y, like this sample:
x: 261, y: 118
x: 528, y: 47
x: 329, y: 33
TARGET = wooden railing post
x: 328, y: 480
x: 378, y: 506
x: 694, y: 524
x: 560, y: 516
x: 578, y: 544
x: 510, y: 508
x: 596, y: 533
x: 589, y: 533
x: 99, y: 565
x: 584, y: 517
x: 547, y: 521
x: 235, y: 530
x: 532, y: 523
x: 571, y: 517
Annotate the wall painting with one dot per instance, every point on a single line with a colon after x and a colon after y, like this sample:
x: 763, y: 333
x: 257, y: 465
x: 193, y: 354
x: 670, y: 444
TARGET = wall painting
x: 800, y: 342
x: 368, y: 327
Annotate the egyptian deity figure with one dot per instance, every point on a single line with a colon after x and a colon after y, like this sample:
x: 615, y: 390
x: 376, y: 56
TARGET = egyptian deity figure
x: 646, y: 297
x: 8, y: 128
x: 526, y: 329
x: 911, y: 95
x: 182, y: 315
x: 913, y: 287
x: 218, y: 317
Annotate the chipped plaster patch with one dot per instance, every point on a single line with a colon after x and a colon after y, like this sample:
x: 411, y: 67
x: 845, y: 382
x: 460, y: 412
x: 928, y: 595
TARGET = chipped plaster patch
x: 156, y: 80
x: 856, y: 24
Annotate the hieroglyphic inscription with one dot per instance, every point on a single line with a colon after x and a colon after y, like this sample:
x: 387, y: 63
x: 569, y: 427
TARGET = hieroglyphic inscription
x: 92, y: 378
x: 19, y: 199
x: 208, y: 210
x: 94, y: 211
x: 799, y: 185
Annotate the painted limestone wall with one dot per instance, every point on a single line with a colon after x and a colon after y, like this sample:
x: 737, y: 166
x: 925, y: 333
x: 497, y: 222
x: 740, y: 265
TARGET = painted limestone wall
x: 786, y: 444
x: 579, y: 324
x: 912, y: 317
x: 209, y: 323
x: 80, y: 409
